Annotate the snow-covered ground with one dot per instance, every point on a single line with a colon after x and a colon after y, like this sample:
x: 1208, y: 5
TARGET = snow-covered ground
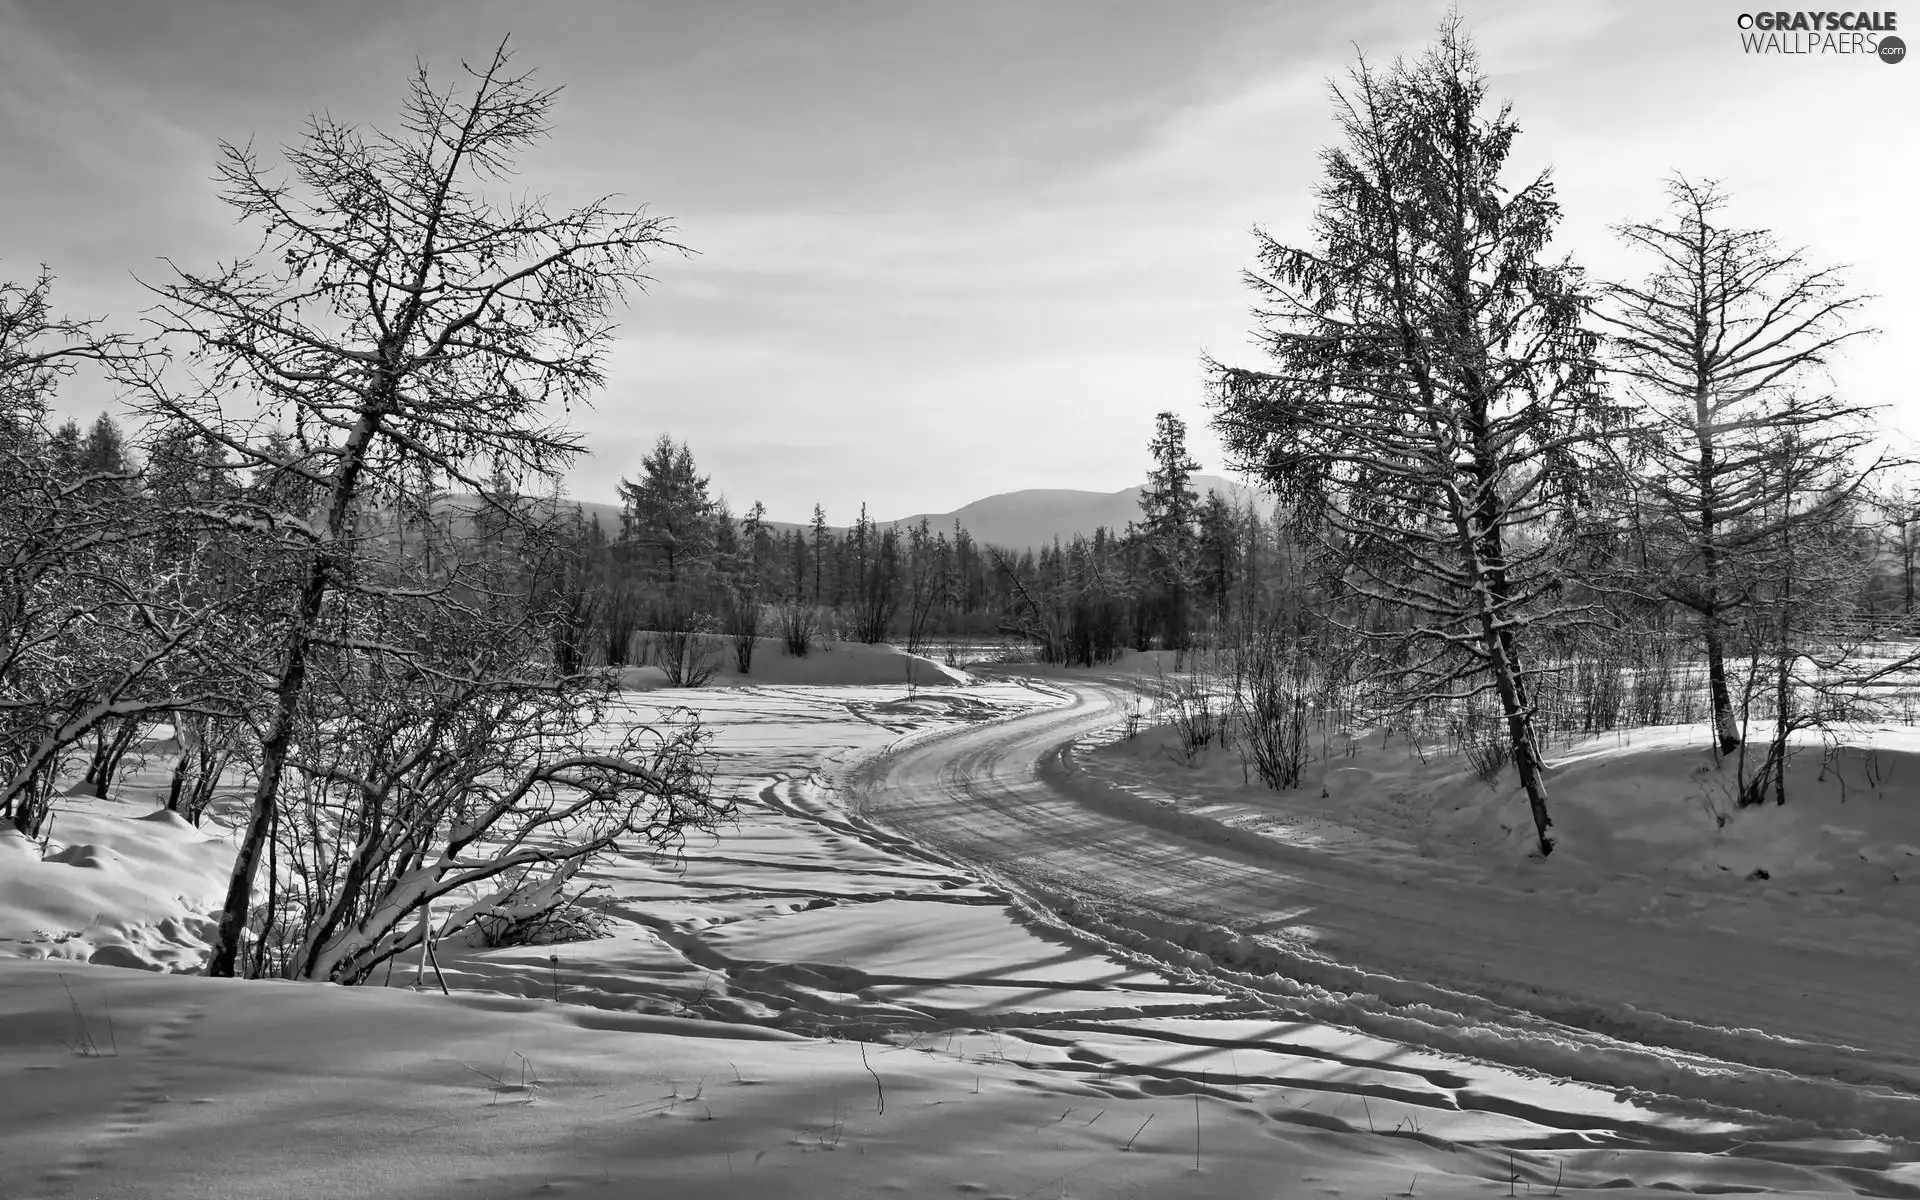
x: 814, y: 1005
x: 828, y: 664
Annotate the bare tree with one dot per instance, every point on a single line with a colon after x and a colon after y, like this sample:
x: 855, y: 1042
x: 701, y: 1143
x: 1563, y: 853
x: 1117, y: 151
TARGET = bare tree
x: 207, y: 745
x: 1721, y: 342
x: 1030, y: 614
x: 618, y: 618
x: 453, y: 767
x: 1434, y: 389
x: 99, y: 639
x: 743, y: 615
x: 1805, y: 664
x: 928, y: 593
x: 400, y: 321
x: 799, y: 624
x: 872, y: 562
x: 1901, y: 511
x: 94, y: 625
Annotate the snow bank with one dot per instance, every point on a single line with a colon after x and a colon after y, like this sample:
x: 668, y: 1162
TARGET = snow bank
x: 831, y: 664
x: 1025, y: 1059
x: 1647, y: 803
x: 200, y: 1091
x: 119, y: 883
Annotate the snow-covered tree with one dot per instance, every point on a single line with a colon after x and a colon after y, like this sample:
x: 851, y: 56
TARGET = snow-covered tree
x: 669, y: 515
x: 1432, y: 389
x: 1167, y: 531
x: 406, y: 318
x: 96, y: 623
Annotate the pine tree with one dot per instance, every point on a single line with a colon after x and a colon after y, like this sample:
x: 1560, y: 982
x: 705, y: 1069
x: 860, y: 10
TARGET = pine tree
x: 1430, y: 419
x: 668, y: 515
x: 65, y: 449
x: 756, y: 550
x: 822, y: 540
x: 1217, y: 556
x: 1169, y: 509
x: 104, y: 452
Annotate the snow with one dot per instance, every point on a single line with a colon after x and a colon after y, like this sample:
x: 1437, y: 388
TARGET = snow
x: 828, y: 664
x: 1651, y: 986
x: 1643, y: 819
x: 819, y: 1002
x: 123, y: 884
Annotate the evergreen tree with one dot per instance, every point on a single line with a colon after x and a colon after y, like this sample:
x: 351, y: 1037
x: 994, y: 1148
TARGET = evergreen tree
x: 821, y: 543
x: 668, y: 515
x: 1432, y: 415
x: 1217, y: 556
x: 759, y: 561
x: 1169, y: 509
x: 65, y: 449
x: 104, y: 452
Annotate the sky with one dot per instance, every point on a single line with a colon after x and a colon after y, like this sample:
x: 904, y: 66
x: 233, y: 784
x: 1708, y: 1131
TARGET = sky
x: 941, y: 250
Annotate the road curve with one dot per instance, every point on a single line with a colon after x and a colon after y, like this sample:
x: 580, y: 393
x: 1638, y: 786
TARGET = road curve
x: 994, y: 794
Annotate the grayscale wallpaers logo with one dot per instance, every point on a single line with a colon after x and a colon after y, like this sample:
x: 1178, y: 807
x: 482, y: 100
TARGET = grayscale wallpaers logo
x: 1868, y: 34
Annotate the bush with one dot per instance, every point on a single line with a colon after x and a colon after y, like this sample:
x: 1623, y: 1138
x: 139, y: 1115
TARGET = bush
x: 1195, y: 712
x: 1275, y: 710
x: 681, y: 642
x: 1485, y: 742
x: 690, y: 657
x: 743, y: 626
x: 799, y: 626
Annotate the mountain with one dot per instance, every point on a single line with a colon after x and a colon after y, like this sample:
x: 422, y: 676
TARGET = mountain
x: 1033, y: 517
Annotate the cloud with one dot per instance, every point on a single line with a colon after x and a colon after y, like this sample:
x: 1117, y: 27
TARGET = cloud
x: 944, y: 249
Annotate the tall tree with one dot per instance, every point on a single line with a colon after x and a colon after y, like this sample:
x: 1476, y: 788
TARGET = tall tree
x: 822, y: 539
x: 669, y: 514
x: 1434, y: 386
x: 405, y: 316
x: 1216, y: 557
x: 1723, y: 341
x: 64, y: 449
x: 874, y: 570
x: 757, y: 551
x: 1169, y: 514
x: 104, y: 452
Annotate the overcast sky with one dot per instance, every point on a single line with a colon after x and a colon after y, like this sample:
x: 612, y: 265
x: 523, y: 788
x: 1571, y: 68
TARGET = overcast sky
x: 945, y: 249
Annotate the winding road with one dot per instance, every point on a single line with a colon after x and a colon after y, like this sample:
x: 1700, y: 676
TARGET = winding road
x: 1629, y: 995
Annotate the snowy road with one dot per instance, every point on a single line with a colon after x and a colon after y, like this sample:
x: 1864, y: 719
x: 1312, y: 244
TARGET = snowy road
x: 1817, y: 1035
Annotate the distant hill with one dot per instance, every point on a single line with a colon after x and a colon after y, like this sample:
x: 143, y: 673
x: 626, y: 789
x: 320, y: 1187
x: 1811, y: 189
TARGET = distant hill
x: 1026, y: 519
x: 1033, y: 517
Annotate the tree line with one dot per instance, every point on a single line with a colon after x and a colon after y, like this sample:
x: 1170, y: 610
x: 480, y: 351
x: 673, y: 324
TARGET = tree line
x: 680, y: 560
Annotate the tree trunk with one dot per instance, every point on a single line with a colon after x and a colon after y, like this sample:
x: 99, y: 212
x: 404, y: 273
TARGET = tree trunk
x: 293, y: 680
x: 1783, y: 678
x: 1726, y: 728
x: 1706, y: 480
x: 179, y: 783
x: 1520, y: 730
x: 111, y: 740
x: 266, y: 792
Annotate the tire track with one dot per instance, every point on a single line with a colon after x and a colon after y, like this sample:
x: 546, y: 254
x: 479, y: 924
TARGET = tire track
x: 1819, y: 1036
